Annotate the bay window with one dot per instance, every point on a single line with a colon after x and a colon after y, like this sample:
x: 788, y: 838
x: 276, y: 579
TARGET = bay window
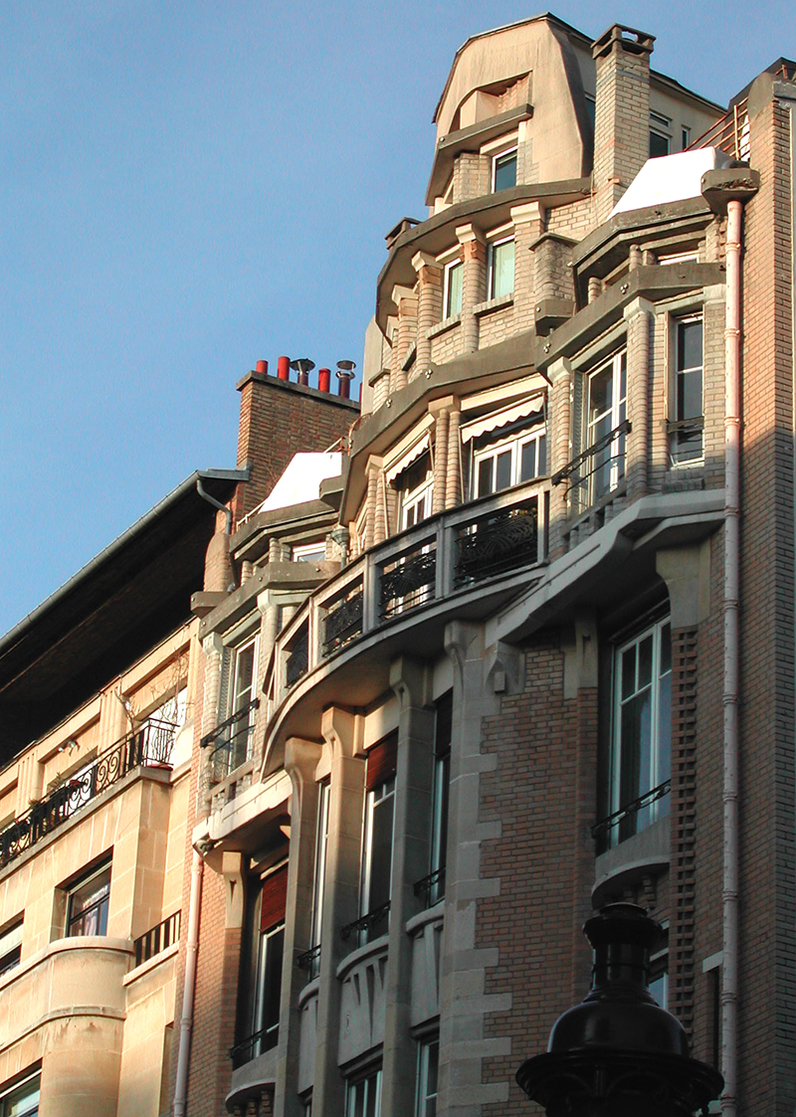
x: 641, y: 730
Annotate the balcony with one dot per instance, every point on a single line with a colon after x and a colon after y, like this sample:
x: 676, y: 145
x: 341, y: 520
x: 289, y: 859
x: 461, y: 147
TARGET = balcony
x: 149, y: 746
x: 444, y: 558
x: 229, y: 744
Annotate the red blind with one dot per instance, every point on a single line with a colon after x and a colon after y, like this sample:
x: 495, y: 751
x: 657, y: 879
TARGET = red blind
x: 382, y: 760
x: 273, y: 899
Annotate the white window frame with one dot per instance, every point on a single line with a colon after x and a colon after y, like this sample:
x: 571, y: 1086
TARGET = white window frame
x: 416, y: 503
x: 427, y: 1061
x: 500, y: 155
x: 661, y: 126
x: 319, y: 870
x: 27, y: 1091
x: 514, y: 445
x: 11, y: 945
x: 677, y: 322
x: 266, y: 941
x: 492, y: 247
x: 369, y: 1084
x: 616, y: 412
x: 101, y: 906
x: 655, y: 752
x: 450, y: 268
x: 373, y: 800
x: 309, y: 552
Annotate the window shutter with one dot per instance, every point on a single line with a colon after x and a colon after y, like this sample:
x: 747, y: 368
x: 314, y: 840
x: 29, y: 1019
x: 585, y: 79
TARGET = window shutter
x: 382, y: 761
x: 273, y: 899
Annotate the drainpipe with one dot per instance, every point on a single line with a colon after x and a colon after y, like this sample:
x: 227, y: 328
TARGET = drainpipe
x: 216, y: 504
x: 189, y: 987
x: 732, y: 512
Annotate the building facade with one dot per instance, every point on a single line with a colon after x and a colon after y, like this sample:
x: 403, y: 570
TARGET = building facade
x: 510, y: 641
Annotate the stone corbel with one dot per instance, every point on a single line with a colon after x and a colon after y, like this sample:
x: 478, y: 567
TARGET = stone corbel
x: 504, y: 668
x: 234, y: 891
x: 343, y: 731
x: 580, y: 655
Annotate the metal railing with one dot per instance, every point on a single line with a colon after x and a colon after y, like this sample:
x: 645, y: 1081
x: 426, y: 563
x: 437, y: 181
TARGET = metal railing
x: 597, y: 470
x: 447, y: 554
x: 157, y: 939
x: 229, y: 744
x: 432, y: 887
x: 310, y: 961
x: 148, y: 746
x: 378, y: 919
x: 730, y: 134
x: 252, y: 1046
x: 601, y: 831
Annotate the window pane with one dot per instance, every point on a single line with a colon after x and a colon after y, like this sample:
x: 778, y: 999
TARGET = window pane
x: 503, y: 470
x: 528, y: 468
x: 506, y: 171
x: 659, y: 145
x: 689, y: 344
x: 645, y: 662
x: 542, y: 456
x: 502, y: 269
x: 629, y: 671
x: 455, y: 276
x: 485, y: 477
x: 381, y: 854
x: 689, y: 394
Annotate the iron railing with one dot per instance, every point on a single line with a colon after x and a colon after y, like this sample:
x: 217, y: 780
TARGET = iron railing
x: 495, y: 544
x: 310, y: 961
x: 157, y: 939
x: 432, y: 887
x: 408, y: 581
x: 230, y: 743
x: 298, y: 658
x: 252, y: 1046
x: 148, y: 746
x: 343, y: 620
x: 601, y: 831
x: 730, y: 134
x: 597, y: 470
x: 363, y: 926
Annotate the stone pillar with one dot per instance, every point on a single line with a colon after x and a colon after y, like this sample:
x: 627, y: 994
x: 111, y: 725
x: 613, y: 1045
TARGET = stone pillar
x: 301, y: 761
x: 453, y: 479
x: 528, y: 227
x: 429, y: 304
x: 342, y: 732
x: 406, y: 301
x: 213, y: 648
x: 639, y: 316
x: 439, y: 408
x: 411, y: 852
x: 622, y: 112
x: 473, y: 282
x: 560, y: 447
x: 376, y: 471
x: 370, y: 504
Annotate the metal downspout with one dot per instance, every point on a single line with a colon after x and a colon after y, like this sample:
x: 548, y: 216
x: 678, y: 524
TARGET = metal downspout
x: 732, y: 512
x: 189, y: 986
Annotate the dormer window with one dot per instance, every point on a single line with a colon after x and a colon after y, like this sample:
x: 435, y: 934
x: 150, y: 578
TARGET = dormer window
x: 504, y: 170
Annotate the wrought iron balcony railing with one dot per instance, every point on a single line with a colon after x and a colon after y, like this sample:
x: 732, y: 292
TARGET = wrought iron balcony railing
x: 448, y: 554
x: 602, y: 831
x: 432, y: 887
x: 597, y: 471
x: 310, y: 961
x: 148, y: 746
x: 374, y: 921
x: 229, y: 744
x: 157, y: 939
x: 252, y: 1046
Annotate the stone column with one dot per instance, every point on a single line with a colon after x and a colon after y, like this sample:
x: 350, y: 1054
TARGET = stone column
x: 213, y: 649
x: 474, y: 282
x: 301, y: 761
x: 411, y: 853
x: 429, y: 304
x: 406, y: 301
x: 342, y: 732
x: 453, y: 479
x: 439, y: 408
x: 639, y: 316
x: 528, y: 227
x: 560, y: 447
x: 370, y: 505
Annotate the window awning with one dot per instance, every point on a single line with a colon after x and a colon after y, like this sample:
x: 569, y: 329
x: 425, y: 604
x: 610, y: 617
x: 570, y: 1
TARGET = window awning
x: 402, y: 463
x: 502, y: 418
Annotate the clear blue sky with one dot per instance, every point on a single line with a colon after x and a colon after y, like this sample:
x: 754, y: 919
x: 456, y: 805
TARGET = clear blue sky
x: 190, y: 187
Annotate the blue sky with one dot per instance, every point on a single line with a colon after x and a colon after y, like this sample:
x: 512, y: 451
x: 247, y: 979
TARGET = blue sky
x: 190, y: 187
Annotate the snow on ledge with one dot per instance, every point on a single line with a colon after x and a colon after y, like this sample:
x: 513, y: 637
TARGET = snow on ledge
x: 670, y: 178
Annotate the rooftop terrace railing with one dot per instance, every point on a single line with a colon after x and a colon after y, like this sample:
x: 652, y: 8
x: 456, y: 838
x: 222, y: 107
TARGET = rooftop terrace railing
x: 730, y: 134
x: 446, y: 555
x: 148, y: 746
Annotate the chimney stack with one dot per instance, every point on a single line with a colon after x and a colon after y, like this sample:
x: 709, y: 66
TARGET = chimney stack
x: 622, y: 112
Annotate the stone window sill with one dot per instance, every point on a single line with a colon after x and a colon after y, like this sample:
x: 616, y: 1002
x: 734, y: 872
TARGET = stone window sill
x: 493, y: 304
x: 443, y: 326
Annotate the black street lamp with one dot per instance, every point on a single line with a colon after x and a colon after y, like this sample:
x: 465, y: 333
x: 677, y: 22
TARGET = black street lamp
x: 618, y: 1053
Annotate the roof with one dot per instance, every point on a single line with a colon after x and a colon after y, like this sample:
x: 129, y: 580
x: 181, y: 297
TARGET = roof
x: 123, y: 602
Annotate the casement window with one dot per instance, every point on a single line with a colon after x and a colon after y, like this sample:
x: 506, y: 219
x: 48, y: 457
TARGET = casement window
x: 319, y: 874
x: 441, y: 797
x: 377, y: 839
x: 660, y: 135
x: 267, y: 938
x: 309, y: 552
x: 427, y: 1075
x: 504, y: 170
x: 11, y: 947
x: 641, y: 730
x: 687, y: 428
x: 237, y: 743
x: 87, y: 903
x: 363, y: 1095
x: 606, y: 411
x: 500, y: 268
x: 454, y: 287
x: 22, y: 1099
x: 416, y: 487
x: 500, y: 463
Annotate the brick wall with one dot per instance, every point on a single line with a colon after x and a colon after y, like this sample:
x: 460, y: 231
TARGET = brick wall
x: 277, y: 420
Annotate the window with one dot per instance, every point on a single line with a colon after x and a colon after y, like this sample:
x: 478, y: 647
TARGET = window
x: 500, y: 464
x: 660, y: 135
x: 454, y: 286
x: 416, y: 488
x: 21, y: 1100
x: 427, y: 1074
x: 591, y: 108
x: 235, y: 746
x: 504, y: 170
x: 685, y: 137
x: 267, y: 989
x: 641, y: 729
x: 309, y: 552
x: 363, y: 1095
x: 441, y: 794
x: 500, y: 268
x: 319, y: 878
x: 265, y: 948
x: 87, y: 904
x: 687, y: 443
x: 606, y: 412
x: 377, y: 839
x: 659, y: 969
x: 11, y: 947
